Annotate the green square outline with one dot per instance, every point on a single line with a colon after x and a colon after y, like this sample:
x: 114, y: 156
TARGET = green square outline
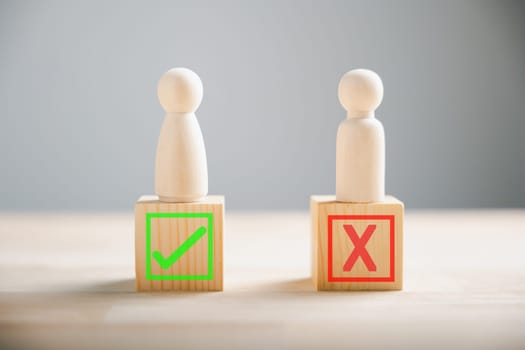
x: 150, y: 276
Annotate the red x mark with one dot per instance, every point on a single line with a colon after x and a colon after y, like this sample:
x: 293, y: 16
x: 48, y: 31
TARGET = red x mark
x: 359, y: 248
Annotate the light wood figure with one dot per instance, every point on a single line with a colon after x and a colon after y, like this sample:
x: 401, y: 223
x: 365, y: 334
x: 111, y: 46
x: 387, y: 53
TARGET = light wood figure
x: 178, y: 233
x: 181, y: 173
x: 357, y: 235
x: 360, y: 155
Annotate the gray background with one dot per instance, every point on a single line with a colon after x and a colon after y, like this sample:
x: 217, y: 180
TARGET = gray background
x: 80, y: 118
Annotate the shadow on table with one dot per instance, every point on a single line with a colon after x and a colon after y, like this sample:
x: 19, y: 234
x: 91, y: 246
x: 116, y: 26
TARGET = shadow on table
x: 128, y: 286
x: 298, y: 285
x: 304, y: 288
x: 119, y: 286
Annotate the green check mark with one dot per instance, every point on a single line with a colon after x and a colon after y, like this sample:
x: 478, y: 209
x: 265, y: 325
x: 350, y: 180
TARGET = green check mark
x: 166, y: 263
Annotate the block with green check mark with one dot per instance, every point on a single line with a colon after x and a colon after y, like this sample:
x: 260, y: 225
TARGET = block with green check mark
x: 178, y: 246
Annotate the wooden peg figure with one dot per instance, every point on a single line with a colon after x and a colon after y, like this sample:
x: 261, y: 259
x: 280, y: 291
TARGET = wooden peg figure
x: 360, y: 155
x: 181, y: 173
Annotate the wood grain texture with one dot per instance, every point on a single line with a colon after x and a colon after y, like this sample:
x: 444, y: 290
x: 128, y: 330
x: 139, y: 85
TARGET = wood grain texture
x: 332, y: 246
x: 169, y: 233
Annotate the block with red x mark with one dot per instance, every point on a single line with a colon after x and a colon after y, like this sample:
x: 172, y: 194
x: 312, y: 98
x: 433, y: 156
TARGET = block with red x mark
x: 361, y: 248
x: 357, y: 245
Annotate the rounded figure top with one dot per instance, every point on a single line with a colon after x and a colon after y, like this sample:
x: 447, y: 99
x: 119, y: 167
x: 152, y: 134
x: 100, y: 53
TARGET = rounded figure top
x: 360, y: 92
x: 180, y: 91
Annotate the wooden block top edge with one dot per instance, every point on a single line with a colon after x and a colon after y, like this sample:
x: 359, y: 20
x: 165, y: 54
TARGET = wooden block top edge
x: 330, y: 199
x: 215, y: 199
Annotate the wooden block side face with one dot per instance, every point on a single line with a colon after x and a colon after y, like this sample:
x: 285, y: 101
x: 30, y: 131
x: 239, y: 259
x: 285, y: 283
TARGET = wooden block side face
x: 359, y: 246
x: 178, y: 246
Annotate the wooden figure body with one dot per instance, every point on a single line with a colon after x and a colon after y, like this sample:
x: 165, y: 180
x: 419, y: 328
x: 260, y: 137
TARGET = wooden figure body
x: 181, y: 173
x: 360, y: 156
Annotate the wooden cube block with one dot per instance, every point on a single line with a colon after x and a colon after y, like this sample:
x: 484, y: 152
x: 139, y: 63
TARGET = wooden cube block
x: 357, y: 246
x: 178, y: 246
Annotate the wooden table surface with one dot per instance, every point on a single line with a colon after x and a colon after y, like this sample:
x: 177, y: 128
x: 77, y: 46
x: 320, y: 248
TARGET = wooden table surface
x: 67, y: 282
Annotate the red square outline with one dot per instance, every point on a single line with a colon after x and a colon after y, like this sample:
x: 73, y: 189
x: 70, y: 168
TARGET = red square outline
x: 390, y: 278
